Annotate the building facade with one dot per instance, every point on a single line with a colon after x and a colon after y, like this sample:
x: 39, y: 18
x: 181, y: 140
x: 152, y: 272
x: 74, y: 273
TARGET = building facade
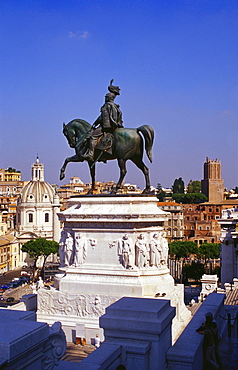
x: 174, y: 227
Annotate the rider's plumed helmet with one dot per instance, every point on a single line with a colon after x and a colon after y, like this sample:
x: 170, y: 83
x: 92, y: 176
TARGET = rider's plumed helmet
x: 114, y: 89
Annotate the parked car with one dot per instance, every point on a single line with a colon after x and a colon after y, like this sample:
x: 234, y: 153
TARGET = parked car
x: 10, y: 299
x: 4, y: 287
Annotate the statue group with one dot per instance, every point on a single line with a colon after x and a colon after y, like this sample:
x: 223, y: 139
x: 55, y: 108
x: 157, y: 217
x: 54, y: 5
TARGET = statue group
x: 72, y: 251
x: 107, y: 139
x: 138, y: 254
x: 142, y: 253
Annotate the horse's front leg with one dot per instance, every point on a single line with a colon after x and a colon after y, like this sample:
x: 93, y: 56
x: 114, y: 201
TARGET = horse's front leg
x: 123, y: 171
x: 92, y: 173
x: 74, y: 158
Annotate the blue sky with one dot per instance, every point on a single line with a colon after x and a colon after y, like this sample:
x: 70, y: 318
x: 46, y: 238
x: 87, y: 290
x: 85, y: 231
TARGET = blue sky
x: 174, y: 60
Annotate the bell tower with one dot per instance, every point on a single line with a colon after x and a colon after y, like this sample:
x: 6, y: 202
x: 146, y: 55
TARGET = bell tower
x: 213, y: 184
x: 37, y: 171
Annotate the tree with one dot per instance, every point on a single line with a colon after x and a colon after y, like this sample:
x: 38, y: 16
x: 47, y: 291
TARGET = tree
x: 236, y: 190
x: 194, y: 187
x: 178, y: 186
x: 189, y: 198
x: 209, y: 250
x: 193, y: 271
x: 40, y: 247
x: 181, y: 249
x: 160, y: 193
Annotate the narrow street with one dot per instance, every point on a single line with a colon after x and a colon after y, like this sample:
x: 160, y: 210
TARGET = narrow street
x: 16, y: 293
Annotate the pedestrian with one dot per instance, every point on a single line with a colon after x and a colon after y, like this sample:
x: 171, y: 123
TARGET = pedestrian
x: 210, y: 331
x: 97, y: 341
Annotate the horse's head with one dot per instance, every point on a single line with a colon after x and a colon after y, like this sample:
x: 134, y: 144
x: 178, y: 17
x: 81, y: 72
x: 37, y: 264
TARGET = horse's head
x: 70, y: 135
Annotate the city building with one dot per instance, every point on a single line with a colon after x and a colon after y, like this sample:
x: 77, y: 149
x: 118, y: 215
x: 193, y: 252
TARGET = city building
x: 9, y: 253
x: 212, y: 183
x: 3, y: 225
x: 201, y: 220
x: 200, y: 223
x: 174, y: 227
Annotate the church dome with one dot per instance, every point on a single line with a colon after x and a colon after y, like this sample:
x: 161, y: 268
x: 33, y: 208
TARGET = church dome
x: 37, y: 190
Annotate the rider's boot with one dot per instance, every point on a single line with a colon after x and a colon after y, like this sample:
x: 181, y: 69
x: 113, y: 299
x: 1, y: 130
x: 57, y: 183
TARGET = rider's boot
x: 89, y: 154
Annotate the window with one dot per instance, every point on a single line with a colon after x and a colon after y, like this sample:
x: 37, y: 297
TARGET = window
x: 30, y: 217
x: 188, y: 218
x: 200, y: 228
x: 208, y: 227
x: 46, y: 217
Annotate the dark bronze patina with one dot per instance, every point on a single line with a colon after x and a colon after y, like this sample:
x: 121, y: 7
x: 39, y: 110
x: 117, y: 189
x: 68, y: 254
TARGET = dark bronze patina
x: 107, y: 139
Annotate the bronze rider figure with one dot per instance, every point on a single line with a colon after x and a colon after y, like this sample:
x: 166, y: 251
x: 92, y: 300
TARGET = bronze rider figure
x: 109, y: 120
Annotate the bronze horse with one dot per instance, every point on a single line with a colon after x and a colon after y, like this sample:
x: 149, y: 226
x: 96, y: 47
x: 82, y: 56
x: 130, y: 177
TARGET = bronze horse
x: 127, y: 144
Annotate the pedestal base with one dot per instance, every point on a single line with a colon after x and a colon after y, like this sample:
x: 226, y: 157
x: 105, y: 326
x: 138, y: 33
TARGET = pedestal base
x: 111, y: 247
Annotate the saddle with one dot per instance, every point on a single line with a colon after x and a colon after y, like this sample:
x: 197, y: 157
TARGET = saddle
x: 105, y: 142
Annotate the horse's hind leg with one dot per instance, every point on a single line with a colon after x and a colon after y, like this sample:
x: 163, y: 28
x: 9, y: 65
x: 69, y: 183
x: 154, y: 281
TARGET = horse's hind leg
x: 123, y: 171
x: 140, y: 164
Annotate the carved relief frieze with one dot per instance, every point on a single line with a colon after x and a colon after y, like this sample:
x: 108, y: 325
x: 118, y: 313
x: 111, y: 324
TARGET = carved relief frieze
x: 53, y: 302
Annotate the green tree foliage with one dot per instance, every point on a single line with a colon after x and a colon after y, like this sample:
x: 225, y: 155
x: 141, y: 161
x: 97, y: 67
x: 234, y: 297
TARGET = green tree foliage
x: 181, y: 249
x: 194, y: 187
x: 209, y: 250
x: 193, y: 271
x: 160, y: 193
x: 189, y: 198
x: 40, y: 247
x: 236, y: 190
x: 178, y: 186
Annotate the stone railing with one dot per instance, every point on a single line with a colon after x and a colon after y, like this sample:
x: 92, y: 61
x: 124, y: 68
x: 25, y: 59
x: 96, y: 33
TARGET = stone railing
x: 187, y: 352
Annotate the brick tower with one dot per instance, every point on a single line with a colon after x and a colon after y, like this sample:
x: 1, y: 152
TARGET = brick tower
x: 213, y: 184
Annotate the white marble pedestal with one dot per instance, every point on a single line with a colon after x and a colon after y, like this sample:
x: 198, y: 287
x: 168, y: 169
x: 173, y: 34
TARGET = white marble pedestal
x: 111, y: 247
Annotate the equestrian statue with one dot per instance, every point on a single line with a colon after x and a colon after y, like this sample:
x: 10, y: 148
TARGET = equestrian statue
x: 107, y: 139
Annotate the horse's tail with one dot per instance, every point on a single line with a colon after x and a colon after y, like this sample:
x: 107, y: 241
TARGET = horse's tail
x: 148, y: 133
